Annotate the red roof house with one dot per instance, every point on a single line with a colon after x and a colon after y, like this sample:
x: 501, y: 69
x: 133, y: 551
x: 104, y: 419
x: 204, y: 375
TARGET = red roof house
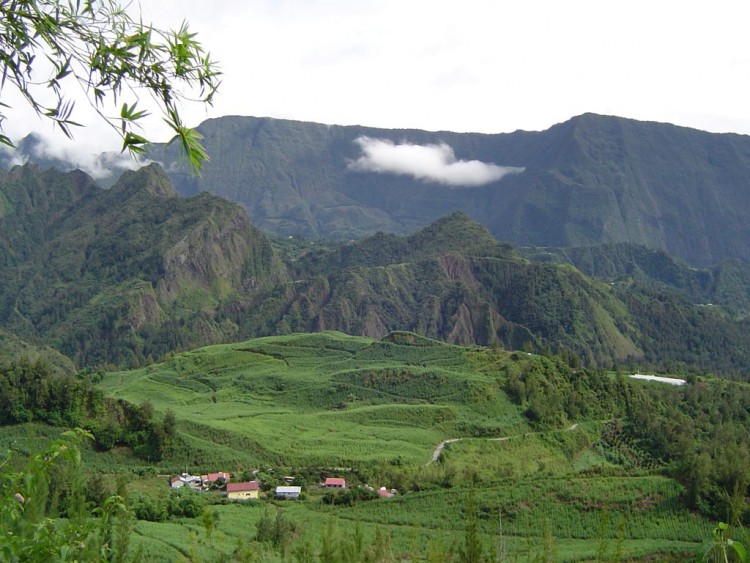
x: 213, y: 477
x: 384, y: 493
x: 243, y: 491
x: 335, y: 483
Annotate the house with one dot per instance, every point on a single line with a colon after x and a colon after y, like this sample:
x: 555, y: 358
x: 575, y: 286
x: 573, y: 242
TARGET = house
x: 212, y: 478
x: 185, y: 480
x: 335, y: 483
x: 248, y: 490
x: 291, y: 493
x: 385, y: 493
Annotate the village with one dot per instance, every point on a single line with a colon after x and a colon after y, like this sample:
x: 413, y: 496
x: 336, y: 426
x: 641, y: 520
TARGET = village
x: 221, y: 482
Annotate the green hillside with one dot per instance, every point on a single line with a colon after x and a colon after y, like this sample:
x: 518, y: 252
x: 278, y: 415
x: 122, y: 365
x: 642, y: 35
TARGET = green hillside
x: 572, y: 482
x: 124, y: 275
x: 725, y: 285
x: 322, y: 399
x: 451, y: 281
x: 13, y: 348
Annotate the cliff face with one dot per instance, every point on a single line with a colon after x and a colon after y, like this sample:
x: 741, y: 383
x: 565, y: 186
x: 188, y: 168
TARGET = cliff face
x: 591, y: 180
x: 212, y: 256
x: 133, y: 267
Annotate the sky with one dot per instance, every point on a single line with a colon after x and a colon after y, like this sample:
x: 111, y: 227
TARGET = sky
x: 488, y: 66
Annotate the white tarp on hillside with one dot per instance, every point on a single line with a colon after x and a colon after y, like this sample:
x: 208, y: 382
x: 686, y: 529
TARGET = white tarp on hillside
x: 669, y: 380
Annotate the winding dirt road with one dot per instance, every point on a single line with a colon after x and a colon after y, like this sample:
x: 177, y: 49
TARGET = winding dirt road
x: 441, y: 445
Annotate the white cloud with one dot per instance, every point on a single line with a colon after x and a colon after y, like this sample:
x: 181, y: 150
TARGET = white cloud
x: 12, y: 157
x: 430, y: 163
x: 99, y: 165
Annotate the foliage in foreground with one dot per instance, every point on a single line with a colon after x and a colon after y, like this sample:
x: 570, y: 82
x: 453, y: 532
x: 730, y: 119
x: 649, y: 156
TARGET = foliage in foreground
x: 111, y: 56
x: 44, y: 515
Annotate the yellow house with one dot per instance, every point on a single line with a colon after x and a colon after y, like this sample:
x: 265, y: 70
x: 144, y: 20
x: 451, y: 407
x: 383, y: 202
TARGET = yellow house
x: 243, y: 491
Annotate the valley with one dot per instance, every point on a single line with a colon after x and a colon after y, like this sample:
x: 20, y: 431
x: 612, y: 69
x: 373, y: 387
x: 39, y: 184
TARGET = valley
x: 468, y: 348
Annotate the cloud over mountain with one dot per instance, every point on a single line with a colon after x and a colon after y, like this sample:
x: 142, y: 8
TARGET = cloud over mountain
x: 429, y: 163
x: 49, y: 153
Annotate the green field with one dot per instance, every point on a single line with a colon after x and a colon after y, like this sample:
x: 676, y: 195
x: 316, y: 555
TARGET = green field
x: 324, y: 399
x: 374, y: 412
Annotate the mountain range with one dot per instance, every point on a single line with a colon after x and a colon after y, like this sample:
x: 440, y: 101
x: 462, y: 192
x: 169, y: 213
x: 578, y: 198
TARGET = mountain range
x: 614, y: 261
x: 591, y: 180
x: 125, y: 275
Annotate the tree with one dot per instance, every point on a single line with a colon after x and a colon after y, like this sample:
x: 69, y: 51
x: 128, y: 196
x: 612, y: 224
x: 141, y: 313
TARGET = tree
x: 472, y: 550
x: 209, y: 519
x: 112, y: 57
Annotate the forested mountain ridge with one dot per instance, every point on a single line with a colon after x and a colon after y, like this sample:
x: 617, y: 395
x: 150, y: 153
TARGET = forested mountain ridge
x: 121, y: 275
x: 725, y: 285
x: 126, y: 275
x: 487, y: 294
x: 32, y: 203
x: 591, y: 180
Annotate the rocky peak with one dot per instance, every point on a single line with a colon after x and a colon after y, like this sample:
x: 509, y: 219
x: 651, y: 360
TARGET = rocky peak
x: 151, y: 180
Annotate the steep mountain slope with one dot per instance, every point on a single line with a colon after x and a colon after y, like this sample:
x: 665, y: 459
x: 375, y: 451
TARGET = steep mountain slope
x: 591, y: 180
x: 32, y: 202
x: 124, y: 274
x: 297, y: 178
x: 726, y: 285
x: 488, y: 295
x: 617, y: 180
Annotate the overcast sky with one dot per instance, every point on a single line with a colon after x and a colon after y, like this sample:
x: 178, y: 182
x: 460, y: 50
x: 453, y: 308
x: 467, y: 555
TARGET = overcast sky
x: 470, y: 65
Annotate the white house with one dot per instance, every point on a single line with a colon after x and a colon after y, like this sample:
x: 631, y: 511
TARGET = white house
x: 185, y: 480
x: 288, y: 492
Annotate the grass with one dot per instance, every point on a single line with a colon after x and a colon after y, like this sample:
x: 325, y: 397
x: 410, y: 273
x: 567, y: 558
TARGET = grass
x: 380, y: 408
x: 322, y: 398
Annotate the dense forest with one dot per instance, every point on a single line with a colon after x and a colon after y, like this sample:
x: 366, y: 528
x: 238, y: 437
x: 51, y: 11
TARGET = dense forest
x: 30, y: 392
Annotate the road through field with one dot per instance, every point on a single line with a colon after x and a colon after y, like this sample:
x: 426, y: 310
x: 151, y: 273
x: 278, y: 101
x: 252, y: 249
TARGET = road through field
x: 439, y: 448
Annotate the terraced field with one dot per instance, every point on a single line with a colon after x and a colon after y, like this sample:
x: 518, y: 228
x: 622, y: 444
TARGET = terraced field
x: 324, y: 399
x: 374, y: 412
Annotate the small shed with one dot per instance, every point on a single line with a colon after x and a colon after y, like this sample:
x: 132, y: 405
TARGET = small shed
x: 248, y: 490
x: 291, y: 493
x: 335, y: 483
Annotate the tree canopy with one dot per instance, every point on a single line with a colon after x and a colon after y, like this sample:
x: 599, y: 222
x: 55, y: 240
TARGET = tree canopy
x: 112, y: 57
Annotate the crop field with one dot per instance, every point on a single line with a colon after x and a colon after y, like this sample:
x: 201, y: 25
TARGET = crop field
x: 541, y: 454
x: 321, y: 399
x: 378, y: 410
x: 525, y: 521
x: 631, y: 507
